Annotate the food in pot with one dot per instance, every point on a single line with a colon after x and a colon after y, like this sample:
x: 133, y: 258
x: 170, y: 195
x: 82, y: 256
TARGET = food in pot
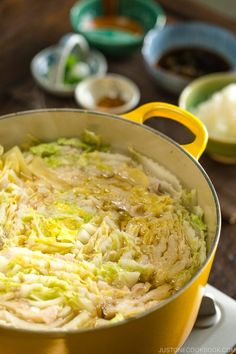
x: 218, y: 113
x: 89, y: 236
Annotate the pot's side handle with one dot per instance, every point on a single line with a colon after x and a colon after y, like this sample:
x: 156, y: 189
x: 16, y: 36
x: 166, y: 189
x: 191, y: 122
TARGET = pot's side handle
x: 165, y: 110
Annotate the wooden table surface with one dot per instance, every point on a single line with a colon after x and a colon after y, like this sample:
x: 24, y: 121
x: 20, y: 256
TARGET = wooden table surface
x: 28, y: 26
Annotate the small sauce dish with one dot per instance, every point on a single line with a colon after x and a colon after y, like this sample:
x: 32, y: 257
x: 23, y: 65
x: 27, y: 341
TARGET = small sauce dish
x: 110, y: 93
x: 180, y: 52
x: 117, y: 35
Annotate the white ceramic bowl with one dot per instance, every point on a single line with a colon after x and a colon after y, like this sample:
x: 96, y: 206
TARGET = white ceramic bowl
x: 48, y: 66
x: 91, y: 90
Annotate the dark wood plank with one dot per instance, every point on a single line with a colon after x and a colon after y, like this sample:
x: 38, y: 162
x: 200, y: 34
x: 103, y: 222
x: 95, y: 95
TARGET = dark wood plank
x: 196, y: 11
x: 26, y: 28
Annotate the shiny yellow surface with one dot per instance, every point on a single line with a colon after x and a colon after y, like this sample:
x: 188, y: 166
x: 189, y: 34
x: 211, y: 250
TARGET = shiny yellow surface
x: 165, y: 110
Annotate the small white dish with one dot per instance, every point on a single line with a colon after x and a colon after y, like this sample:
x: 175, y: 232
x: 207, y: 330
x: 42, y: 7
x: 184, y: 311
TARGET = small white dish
x: 95, y: 88
x: 48, y: 66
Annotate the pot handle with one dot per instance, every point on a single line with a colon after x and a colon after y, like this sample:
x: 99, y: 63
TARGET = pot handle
x: 166, y: 110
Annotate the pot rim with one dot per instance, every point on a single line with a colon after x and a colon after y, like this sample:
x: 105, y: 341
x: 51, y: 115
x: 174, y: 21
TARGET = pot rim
x: 63, y: 333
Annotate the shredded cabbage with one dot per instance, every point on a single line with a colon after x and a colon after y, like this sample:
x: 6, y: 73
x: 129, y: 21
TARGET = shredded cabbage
x: 90, y: 237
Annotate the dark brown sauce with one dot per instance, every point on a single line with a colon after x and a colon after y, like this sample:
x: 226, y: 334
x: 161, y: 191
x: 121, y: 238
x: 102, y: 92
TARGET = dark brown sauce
x: 192, y: 62
x: 112, y: 21
x: 110, y: 7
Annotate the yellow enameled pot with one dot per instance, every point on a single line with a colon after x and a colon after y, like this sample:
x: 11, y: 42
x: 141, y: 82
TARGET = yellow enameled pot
x: 165, y: 327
